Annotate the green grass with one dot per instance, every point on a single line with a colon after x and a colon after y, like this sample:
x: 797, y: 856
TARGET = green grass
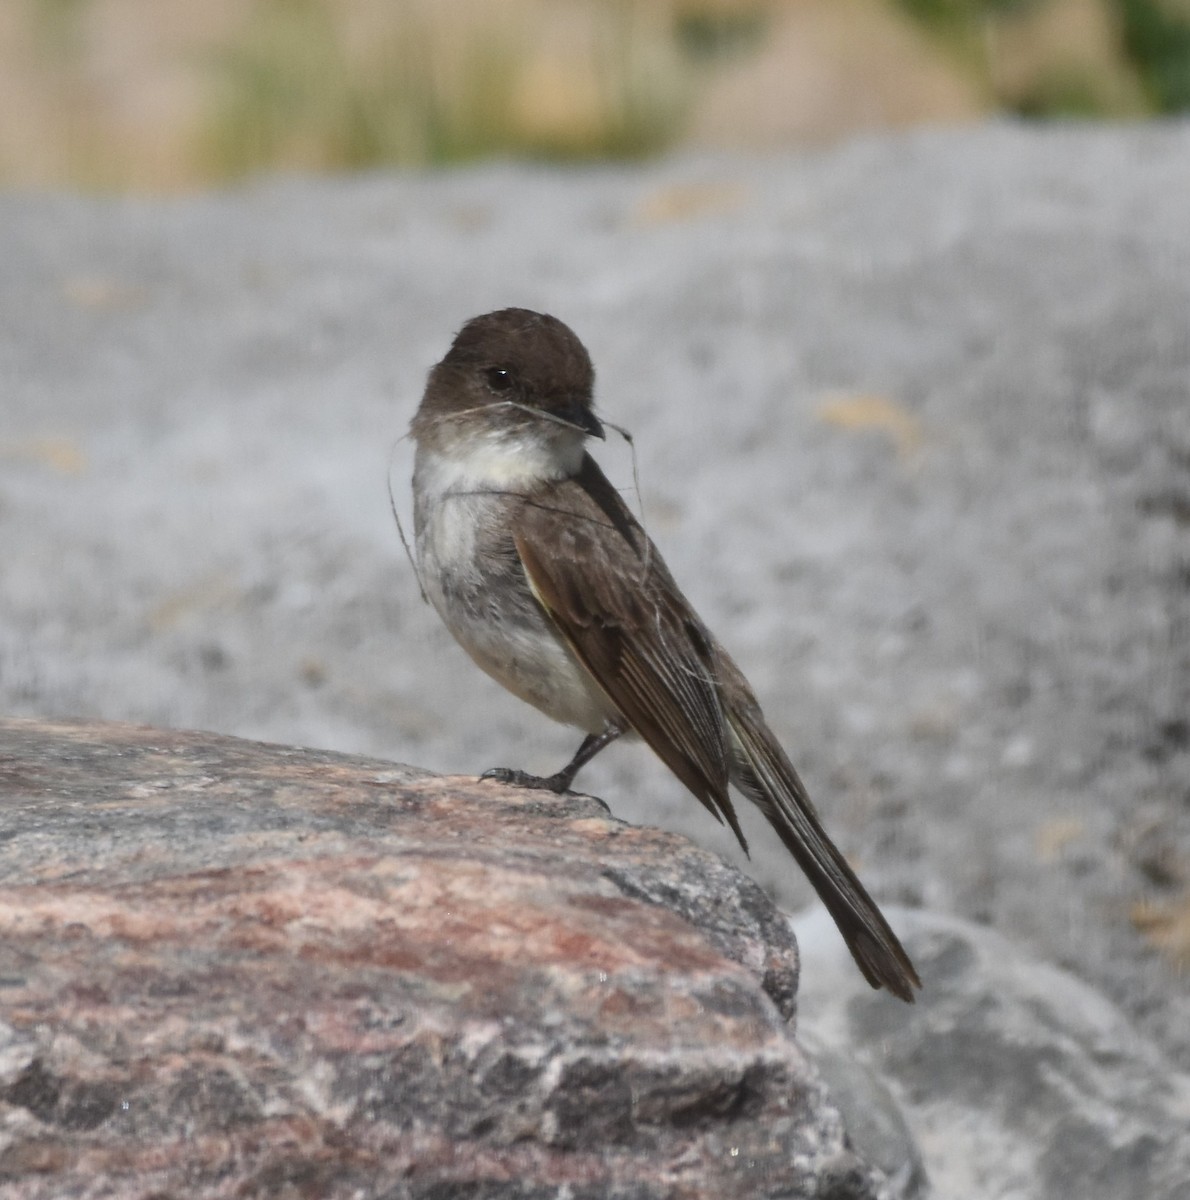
x: 1155, y: 42
x: 288, y: 94
x: 1157, y: 39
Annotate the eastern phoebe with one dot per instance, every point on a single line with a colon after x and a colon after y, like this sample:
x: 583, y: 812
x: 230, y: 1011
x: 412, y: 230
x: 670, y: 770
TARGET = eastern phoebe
x: 547, y: 580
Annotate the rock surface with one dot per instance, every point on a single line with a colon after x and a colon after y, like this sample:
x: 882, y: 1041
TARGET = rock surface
x: 1016, y: 1079
x: 231, y: 969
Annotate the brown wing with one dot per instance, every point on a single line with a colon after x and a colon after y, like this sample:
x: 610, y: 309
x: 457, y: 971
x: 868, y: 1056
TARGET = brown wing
x: 603, y: 584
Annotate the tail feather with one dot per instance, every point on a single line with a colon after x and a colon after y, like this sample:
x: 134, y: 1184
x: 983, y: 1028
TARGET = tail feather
x: 765, y: 775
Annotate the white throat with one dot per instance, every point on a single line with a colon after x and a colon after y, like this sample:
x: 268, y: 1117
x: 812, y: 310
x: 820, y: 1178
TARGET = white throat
x: 498, y: 463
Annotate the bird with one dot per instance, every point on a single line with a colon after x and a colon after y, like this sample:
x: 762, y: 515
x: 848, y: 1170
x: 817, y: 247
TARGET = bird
x: 548, y: 581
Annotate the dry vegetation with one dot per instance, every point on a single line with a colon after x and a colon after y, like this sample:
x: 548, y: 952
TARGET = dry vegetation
x: 119, y: 94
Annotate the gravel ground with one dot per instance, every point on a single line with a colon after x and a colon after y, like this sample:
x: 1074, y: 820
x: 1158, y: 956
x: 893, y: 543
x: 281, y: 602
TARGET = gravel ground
x: 912, y: 427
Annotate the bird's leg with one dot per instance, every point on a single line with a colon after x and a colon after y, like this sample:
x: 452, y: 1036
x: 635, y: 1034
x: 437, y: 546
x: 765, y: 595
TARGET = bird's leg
x: 561, y: 780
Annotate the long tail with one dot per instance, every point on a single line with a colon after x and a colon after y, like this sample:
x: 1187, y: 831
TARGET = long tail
x: 765, y: 775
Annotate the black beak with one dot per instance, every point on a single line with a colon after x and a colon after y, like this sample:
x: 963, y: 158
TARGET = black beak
x: 581, y: 417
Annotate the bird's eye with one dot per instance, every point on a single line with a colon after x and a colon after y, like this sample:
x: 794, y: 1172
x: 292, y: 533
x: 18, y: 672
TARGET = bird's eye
x: 499, y: 379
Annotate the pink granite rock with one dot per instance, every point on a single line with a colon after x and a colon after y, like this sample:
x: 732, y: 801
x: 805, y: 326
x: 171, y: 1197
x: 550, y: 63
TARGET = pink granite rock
x: 236, y: 970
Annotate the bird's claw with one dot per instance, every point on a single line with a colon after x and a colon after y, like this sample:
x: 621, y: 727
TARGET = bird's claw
x: 523, y: 779
x: 558, y: 784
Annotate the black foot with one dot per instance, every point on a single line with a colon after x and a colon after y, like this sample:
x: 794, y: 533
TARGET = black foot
x: 539, y: 783
x: 557, y: 784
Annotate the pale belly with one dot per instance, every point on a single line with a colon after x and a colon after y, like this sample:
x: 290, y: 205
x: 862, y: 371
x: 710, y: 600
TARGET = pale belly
x: 476, y: 583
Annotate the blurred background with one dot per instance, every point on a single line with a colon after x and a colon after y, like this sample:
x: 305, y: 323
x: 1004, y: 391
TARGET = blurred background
x: 944, y: 522
x: 125, y: 95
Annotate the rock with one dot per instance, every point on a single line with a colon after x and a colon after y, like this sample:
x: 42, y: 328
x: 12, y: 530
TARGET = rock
x: 875, y: 1122
x: 232, y: 969
x: 1016, y: 1078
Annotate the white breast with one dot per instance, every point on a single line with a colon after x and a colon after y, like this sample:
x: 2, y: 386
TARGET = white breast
x: 490, y: 610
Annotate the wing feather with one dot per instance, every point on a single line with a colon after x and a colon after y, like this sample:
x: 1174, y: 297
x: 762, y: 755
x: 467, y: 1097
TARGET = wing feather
x: 607, y: 591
